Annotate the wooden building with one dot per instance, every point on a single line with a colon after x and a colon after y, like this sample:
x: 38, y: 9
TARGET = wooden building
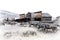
x: 46, y: 17
x: 34, y: 16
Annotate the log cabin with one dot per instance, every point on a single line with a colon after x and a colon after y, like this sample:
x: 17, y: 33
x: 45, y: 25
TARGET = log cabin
x: 34, y: 16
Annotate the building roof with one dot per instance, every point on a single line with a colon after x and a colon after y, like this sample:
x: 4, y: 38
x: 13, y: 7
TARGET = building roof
x: 46, y: 15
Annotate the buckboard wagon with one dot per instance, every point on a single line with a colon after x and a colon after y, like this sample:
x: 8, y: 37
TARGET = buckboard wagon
x: 47, y: 27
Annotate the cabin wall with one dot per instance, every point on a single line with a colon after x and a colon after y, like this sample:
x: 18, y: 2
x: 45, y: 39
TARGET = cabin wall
x: 36, y: 16
x: 22, y: 16
x: 46, y: 18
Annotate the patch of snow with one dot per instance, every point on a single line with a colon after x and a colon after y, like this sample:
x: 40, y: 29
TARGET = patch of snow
x: 57, y: 20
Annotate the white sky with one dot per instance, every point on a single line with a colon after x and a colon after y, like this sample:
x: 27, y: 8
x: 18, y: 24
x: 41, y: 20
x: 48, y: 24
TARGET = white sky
x: 22, y: 6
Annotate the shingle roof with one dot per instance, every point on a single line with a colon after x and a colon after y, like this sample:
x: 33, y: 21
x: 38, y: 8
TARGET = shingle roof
x: 46, y: 15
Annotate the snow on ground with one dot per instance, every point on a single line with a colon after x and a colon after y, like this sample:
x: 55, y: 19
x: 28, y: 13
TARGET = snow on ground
x: 18, y: 28
x: 17, y: 31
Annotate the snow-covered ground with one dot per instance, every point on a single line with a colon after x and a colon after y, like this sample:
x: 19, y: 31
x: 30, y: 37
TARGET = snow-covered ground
x: 17, y: 31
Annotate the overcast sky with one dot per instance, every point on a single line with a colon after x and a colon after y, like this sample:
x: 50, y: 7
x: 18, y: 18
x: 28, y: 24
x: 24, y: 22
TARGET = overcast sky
x: 22, y: 6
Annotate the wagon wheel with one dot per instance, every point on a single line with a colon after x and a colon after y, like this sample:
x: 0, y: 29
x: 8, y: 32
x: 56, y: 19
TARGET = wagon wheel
x: 46, y: 30
x: 54, y: 30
